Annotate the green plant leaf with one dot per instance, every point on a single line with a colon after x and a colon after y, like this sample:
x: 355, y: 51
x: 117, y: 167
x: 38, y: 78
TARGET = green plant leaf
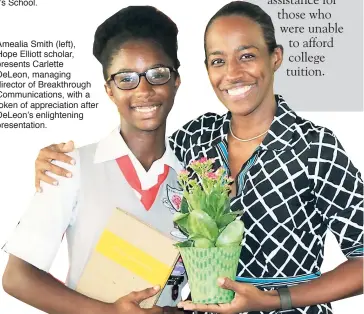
x: 203, y: 243
x: 221, y: 203
x: 200, y: 223
x: 202, y: 200
x: 179, y: 216
x: 187, y: 243
x: 223, y: 206
x: 224, y: 220
x: 183, y: 230
x: 194, y: 199
x: 181, y: 220
x: 231, y: 235
x: 208, y: 207
x: 226, y: 206
x: 212, y: 202
x: 184, y: 206
x: 236, y: 212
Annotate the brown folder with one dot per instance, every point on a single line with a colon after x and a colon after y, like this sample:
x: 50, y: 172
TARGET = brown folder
x: 129, y: 256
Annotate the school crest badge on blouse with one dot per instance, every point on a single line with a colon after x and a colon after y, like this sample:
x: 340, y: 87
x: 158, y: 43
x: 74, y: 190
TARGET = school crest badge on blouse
x: 173, y: 203
x: 173, y: 200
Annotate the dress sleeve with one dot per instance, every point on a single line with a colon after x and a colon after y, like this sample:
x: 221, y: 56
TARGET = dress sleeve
x: 185, y: 141
x: 338, y: 191
x: 39, y: 233
x: 180, y: 142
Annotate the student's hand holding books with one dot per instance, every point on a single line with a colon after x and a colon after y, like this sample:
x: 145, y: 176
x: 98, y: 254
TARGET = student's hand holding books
x: 131, y: 303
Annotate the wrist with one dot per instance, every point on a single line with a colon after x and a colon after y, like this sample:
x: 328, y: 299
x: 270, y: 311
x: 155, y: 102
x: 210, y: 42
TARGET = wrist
x: 110, y: 308
x: 271, y: 301
x: 98, y: 307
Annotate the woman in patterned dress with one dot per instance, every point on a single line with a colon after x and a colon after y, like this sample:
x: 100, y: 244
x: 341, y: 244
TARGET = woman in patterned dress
x: 293, y: 179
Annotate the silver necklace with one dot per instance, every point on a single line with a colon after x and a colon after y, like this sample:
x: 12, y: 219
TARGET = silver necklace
x: 248, y: 139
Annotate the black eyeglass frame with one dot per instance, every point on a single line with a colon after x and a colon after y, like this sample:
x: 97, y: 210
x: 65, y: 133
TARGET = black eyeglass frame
x: 112, y: 76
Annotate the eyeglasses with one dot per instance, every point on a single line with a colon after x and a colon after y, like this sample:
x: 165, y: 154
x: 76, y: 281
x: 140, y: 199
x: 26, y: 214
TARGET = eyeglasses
x: 131, y: 80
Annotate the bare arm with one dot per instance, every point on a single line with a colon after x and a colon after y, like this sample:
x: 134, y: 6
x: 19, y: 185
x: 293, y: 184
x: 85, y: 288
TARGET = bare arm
x: 40, y: 290
x: 344, y: 281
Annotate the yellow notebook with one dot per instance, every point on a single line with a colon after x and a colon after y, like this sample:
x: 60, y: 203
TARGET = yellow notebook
x: 129, y: 256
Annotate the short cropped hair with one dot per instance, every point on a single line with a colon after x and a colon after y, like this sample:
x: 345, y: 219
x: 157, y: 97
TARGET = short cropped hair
x: 135, y: 23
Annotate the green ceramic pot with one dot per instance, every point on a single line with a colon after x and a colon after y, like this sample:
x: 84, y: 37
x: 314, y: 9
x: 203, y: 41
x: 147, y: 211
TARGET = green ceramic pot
x: 204, y: 266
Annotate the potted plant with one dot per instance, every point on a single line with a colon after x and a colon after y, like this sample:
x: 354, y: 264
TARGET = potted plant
x: 214, y: 234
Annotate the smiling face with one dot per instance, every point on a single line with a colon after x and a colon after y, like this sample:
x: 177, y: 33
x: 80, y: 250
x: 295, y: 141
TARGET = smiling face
x: 145, y: 107
x: 239, y: 65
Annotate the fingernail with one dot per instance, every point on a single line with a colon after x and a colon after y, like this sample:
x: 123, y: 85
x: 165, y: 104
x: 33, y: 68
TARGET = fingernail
x: 156, y: 288
x: 73, y: 162
x: 220, y: 281
x: 55, y: 182
x: 68, y: 174
x: 179, y: 305
x: 39, y: 190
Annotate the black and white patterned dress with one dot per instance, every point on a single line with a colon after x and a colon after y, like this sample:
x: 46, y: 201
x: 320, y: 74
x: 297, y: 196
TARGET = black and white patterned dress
x: 298, y: 185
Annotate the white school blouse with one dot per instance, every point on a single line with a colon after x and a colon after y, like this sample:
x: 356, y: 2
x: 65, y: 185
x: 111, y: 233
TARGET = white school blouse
x: 80, y: 208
